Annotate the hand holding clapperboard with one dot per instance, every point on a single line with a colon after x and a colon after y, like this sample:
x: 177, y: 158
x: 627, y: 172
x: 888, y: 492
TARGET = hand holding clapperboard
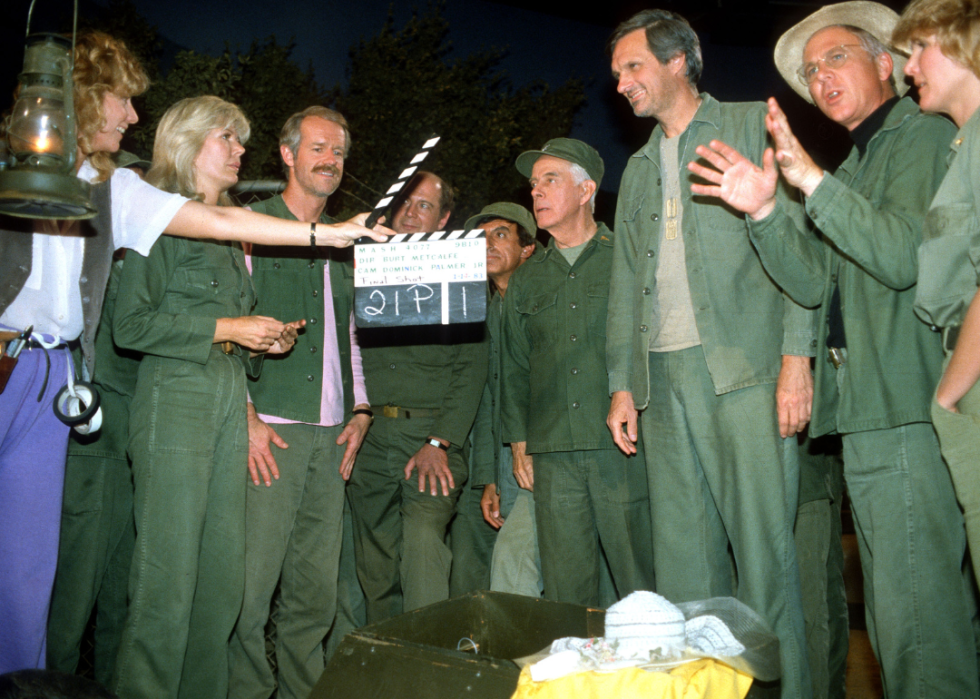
x: 419, y: 278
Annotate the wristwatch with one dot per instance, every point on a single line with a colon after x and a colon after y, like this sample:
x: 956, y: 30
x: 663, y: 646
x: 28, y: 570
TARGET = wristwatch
x: 437, y: 444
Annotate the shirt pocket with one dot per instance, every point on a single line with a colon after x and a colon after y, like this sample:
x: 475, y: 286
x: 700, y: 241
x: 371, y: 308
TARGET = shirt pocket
x: 540, y: 316
x: 634, y: 219
x: 209, y: 291
x: 598, y: 295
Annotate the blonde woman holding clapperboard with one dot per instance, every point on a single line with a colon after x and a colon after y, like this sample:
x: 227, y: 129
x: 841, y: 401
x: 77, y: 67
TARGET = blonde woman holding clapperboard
x: 944, y: 38
x: 186, y: 307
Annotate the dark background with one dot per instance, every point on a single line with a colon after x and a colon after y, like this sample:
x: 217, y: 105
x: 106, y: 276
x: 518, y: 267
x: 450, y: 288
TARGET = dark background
x: 554, y: 41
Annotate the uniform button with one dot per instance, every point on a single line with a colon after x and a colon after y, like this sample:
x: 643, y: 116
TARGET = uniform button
x: 658, y: 181
x: 649, y: 253
x: 313, y: 349
x: 391, y: 366
x: 495, y: 377
x: 575, y: 405
x: 643, y: 328
x: 312, y: 321
x: 242, y: 294
x: 535, y: 307
x: 85, y: 299
x: 83, y: 280
x: 276, y: 265
x: 573, y: 306
x: 315, y: 293
x: 571, y: 275
x: 646, y: 291
x: 574, y: 371
x: 654, y: 217
x: 311, y: 265
x: 214, y: 282
x: 310, y: 377
x: 573, y: 338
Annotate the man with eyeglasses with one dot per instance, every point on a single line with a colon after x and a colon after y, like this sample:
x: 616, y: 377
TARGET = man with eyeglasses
x: 879, y: 364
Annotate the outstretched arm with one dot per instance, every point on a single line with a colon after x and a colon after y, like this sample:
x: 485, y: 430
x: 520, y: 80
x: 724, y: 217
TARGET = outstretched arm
x: 197, y: 220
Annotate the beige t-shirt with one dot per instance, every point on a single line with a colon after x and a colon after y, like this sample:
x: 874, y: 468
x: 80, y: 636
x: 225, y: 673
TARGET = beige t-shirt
x: 673, y: 324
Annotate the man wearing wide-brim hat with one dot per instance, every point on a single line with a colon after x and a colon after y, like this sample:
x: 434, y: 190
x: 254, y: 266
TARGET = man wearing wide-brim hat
x: 878, y: 363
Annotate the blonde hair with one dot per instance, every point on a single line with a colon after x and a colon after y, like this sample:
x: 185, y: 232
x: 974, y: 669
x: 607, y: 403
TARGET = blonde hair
x: 102, y: 64
x: 956, y: 24
x: 181, y: 135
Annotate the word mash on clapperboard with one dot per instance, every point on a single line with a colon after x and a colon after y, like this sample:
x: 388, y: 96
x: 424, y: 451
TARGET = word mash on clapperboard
x: 421, y: 279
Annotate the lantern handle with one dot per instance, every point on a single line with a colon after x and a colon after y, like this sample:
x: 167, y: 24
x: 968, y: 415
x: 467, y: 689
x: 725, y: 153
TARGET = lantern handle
x: 74, y: 25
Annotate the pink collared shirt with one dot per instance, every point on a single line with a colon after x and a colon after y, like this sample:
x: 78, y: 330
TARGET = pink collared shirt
x: 332, y: 393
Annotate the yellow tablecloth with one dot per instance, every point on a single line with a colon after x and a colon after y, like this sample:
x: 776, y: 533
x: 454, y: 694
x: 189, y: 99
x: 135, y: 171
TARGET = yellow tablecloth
x: 705, y: 678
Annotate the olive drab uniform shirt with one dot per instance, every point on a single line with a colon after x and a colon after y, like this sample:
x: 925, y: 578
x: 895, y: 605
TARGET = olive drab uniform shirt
x: 871, y: 210
x: 554, y: 350
x: 744, y: 320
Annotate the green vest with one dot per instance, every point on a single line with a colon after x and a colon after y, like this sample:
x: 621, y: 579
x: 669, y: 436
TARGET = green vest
x: 289, y: 284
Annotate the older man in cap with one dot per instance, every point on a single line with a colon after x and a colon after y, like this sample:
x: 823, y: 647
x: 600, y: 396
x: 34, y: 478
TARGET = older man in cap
x: 708, y: 348
x: 879, y: 364
x: 514, y: 565
x: 589, y: 498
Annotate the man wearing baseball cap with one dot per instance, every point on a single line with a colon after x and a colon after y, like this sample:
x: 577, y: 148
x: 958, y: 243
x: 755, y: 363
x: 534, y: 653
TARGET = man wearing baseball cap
x: 711, y: 351
x: 589, y: 498
x: 510, y: 561
x: 878, y: 364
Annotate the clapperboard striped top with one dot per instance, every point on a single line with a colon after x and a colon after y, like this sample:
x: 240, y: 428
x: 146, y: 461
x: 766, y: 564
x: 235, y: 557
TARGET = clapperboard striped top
x: 437, y: 235
x: 402, y: 180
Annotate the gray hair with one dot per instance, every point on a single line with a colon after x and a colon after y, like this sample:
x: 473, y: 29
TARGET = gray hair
x: 668, y: 34
x: 869, y: 42
x: 290, y: 135
x: 580, y: 175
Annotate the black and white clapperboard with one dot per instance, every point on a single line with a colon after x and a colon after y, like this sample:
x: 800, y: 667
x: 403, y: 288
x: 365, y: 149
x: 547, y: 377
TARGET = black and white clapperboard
x: 421, y: 279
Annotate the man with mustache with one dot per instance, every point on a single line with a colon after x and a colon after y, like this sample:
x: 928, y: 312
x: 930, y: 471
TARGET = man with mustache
x: 307, y: 418
x: 878, y: 364
x: 708, y: 348
x: 425, y: 383
x: 508, y: 560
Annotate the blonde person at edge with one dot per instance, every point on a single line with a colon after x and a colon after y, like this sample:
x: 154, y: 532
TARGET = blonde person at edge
x: 53, y: 276
x: 186, y: 307
x: 874, y: 384
x: 944, y: 38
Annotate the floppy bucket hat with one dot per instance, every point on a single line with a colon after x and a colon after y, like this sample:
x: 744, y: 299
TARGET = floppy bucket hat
x: 873, y: 17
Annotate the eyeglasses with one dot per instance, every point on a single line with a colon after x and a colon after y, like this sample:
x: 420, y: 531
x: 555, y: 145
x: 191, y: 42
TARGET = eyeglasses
x: 835, y: 58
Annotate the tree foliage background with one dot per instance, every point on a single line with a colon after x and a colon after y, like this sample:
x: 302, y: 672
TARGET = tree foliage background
x: 403, y: 85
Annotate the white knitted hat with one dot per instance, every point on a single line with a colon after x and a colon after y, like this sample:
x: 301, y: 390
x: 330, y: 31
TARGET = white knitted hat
x: 644, y: 621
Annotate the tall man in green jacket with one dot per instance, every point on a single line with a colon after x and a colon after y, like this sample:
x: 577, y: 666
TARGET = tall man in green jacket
x: 425, y: 384
x: 878, y: 364
x: 708, y: 348
x: 589, y: 498
x: 307, y: 417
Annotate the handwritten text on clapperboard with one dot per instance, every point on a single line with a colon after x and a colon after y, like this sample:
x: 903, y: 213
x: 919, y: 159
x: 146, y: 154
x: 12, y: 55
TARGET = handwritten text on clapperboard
x: 434, y: 278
